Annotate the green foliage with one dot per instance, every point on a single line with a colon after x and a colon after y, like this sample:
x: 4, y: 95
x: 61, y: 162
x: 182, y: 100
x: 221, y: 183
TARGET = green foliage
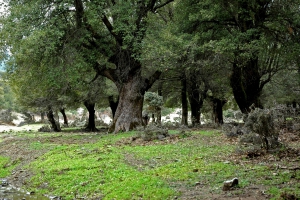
x: 7, y: 97
x: 222, y: 34
x: 283, y: 89
x: 154, y: 101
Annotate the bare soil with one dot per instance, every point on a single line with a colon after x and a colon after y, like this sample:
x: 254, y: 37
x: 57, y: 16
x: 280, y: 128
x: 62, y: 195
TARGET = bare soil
x: 17, y: 149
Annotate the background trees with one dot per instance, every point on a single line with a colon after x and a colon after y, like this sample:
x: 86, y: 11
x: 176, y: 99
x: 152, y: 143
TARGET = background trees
x: 207, y: 50
x: 7, y: 97
x: 107, y: 36
x: 252, y: 35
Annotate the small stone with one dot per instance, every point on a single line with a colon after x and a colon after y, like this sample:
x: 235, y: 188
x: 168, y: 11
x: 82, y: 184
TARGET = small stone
x: 4, y: 183
x: 197, y: 183
x: 230, y: 183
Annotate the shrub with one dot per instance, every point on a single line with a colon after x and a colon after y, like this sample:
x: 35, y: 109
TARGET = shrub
x: 152, y: 132
x: 261, y: 123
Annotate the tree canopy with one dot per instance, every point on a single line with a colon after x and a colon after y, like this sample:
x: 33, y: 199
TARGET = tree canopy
x: 58, y: 50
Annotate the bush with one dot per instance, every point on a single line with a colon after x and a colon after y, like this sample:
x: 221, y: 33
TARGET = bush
x: 45, y: 128
x: 152, y: 132
x: 261, y: 122
x: 6, y: 116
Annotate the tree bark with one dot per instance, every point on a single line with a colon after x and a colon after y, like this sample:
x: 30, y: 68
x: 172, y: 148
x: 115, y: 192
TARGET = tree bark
x: 62, y: 111
x: 113, y: 105
x: 91, y: 127
x: 153, y: 118
x: 132, y: 87
x: 245, y: 83
x: 129, y: 111
x: 159, y: 92
x: 184, y: 103
x: 54, y: 124
x: 196, y: 97
x: 218, y: 110
x: 195, y: 103
x: 42, y: 117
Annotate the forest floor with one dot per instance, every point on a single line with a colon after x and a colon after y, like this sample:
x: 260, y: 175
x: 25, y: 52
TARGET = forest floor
x: 261, y: 175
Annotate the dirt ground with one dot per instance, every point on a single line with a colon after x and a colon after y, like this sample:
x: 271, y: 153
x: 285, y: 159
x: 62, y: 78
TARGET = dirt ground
x: 17, y: 149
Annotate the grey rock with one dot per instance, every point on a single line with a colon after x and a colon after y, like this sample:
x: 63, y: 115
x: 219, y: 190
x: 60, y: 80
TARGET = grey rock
x: 230, y: 183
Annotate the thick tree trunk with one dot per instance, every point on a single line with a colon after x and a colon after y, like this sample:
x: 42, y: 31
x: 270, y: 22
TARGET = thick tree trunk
x: 218, y: 110
x: 54, y: 124
x: 196, y: 97
x: 184, y: 102
x: 91, y: 121
x: 245, y: 83
x: 131, y: 86
x: 129, y: 111
x: 195, y: 103
x: 62, y: 111
x: 113, y: 105
x: 195, y: 108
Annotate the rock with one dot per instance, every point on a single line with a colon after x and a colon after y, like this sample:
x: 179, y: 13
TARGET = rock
x: 230, y: 183
x: 4, y: 183
x: 161, y: 137
x: 45, y: 128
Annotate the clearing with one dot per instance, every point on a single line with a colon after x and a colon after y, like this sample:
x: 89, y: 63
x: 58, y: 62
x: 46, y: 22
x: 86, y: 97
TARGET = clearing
x: 77, y: 165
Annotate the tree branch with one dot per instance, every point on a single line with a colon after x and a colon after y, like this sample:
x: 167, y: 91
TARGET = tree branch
x: 111, y: 30
x: 79, y: 12
x: 151, y: 4
x: 149, y: 82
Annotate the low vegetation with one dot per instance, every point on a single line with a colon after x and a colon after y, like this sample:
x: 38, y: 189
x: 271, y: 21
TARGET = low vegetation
x: 105, y: 166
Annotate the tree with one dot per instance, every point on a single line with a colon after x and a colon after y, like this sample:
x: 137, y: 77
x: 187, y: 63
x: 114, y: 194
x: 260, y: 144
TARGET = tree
x: 106, y: 35
x: 154, y: 103
x: 253, y: 35
x: 283, y: 89
x: 7, y: 98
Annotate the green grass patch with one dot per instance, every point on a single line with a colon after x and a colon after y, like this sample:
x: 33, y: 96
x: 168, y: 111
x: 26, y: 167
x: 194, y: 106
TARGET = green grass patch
x: 6, y: 166
x: 94, y: 171
x: 185, y: 161
x: 107, y: 168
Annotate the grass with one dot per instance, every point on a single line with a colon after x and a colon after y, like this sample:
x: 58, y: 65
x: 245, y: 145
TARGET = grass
x: 94, y: 170
x: 6, y: 166
x: 102, y: 167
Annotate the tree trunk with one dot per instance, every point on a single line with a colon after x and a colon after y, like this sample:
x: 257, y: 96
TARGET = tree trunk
x: 196, y: 98
x: 113, y: 105
x: 195, y: 103
x: 129, y: 111
x: 218, y: 110
x: 91, y: 127
x: 62, y: 111
x: 153, y: 118
x: 42, y: 117
x: 159, y: 92
x: 54, y: 124
x: 245, y: 83
x: 184, y: 103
